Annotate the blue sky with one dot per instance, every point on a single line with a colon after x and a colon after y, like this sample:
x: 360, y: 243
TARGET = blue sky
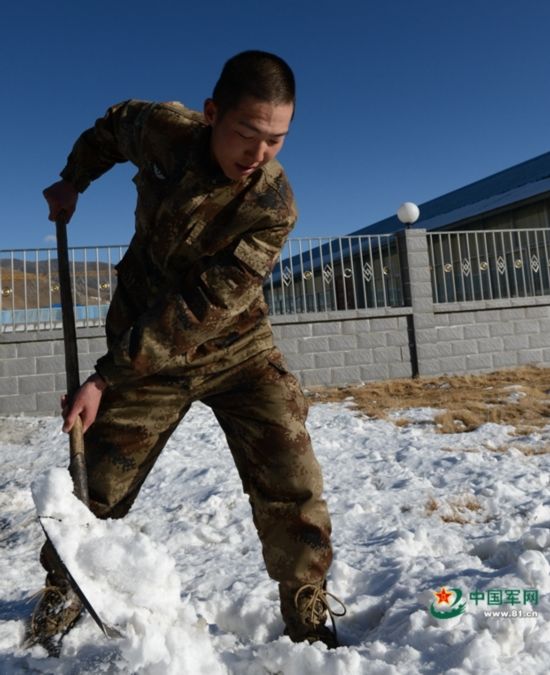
x: 398, y: 100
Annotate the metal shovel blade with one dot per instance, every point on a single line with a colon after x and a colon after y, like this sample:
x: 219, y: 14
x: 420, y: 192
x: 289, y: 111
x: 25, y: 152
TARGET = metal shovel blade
x: 108, y: 630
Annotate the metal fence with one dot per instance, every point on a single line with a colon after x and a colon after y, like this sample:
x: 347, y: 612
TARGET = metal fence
x: 29, y: 287
x: 312, y: 275
x: 489, y: 265
x: 322, y: 274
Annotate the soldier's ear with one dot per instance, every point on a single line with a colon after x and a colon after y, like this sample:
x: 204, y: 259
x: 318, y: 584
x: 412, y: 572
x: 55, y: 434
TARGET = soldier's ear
x: 210, y: 111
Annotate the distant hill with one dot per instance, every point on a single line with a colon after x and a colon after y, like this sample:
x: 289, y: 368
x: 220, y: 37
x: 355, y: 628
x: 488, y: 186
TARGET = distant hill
x: 32, y: 283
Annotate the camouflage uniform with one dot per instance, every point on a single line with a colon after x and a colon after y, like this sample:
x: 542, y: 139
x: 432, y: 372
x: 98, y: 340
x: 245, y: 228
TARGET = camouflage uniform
x: 188, y: 321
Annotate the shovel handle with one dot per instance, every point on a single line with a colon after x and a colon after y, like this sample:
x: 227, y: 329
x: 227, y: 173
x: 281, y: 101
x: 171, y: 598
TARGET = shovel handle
x: 77, y: 465
x: 67, y: 307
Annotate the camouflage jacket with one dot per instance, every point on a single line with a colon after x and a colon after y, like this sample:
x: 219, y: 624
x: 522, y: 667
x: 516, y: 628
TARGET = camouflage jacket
x: 190, y: 287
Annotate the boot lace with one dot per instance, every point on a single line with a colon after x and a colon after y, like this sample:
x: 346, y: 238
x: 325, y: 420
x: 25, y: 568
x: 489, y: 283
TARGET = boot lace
x: 41, y: 615
x: 315, y: 605
x: 45, y: 617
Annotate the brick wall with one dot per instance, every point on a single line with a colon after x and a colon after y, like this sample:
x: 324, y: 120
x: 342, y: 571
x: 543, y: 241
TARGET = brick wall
x: 32, y: 369
x: 346, y: 347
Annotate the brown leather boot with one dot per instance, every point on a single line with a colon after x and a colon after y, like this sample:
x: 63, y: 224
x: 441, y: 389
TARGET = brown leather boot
x: 305, y: 609
x: 57, y: 610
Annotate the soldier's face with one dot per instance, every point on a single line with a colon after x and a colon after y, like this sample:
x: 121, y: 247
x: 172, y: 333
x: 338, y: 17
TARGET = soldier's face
x: 248, y: 136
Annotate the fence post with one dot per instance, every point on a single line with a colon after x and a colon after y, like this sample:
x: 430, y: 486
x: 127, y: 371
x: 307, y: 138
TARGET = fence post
x: 417, y: 292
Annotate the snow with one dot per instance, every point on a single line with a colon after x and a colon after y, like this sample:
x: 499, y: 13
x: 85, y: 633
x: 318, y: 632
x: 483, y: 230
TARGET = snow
x: 413, y: 510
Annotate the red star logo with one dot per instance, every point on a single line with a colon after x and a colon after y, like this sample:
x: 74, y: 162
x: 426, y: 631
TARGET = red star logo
x: 443, y: 596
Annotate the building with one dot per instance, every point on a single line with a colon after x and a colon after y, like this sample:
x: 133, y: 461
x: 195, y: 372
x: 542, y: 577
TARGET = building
x: 487, y: 240
x: 518, y: 197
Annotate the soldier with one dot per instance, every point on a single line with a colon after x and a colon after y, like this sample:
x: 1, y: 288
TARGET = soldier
x: 188, y: 322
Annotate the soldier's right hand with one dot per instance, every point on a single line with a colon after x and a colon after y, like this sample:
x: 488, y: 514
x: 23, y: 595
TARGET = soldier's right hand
x: 85, y: 403
x: 61, y: 198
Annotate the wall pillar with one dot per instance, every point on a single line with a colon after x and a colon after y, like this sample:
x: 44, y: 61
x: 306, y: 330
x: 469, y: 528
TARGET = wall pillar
x: 417, y: 291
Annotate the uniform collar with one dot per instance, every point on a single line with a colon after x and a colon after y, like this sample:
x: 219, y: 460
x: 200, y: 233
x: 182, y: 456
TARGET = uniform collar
x: 206, y: 162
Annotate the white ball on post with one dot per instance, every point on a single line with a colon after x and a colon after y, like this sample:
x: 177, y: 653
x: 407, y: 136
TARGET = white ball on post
x: 408, y: 213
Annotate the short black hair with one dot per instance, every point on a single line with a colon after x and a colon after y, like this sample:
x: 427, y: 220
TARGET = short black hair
x: 254, y: 74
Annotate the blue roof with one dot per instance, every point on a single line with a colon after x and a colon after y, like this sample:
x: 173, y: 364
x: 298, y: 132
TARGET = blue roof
x: 519, y: 182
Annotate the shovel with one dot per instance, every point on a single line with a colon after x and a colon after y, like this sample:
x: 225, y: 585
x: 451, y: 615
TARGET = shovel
x: 77, y: 465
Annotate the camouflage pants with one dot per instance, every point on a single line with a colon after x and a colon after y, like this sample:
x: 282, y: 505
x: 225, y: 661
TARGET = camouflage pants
x: 262, y: 411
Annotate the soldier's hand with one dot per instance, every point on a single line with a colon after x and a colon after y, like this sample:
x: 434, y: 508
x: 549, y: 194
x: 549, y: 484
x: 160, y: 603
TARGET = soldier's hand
x: 85, y: 403
x: 61, y: 198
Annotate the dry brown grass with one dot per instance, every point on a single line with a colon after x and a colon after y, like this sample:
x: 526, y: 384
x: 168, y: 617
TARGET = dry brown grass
x: 462, y: 510
x: 519, y: 397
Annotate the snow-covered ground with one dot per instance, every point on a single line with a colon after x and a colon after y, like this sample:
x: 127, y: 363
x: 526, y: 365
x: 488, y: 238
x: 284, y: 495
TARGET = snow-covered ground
x: 414, y: 512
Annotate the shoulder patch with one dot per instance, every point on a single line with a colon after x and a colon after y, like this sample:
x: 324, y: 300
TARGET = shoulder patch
x: 273, y: 190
